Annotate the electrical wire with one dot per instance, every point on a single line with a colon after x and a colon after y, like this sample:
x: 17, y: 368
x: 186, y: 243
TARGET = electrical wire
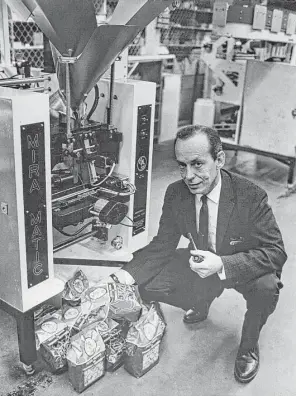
x: 96, y: 184
x: 115, y: 193
x: 132, y: 188
x: 76, y: 232
x: 130, y: 219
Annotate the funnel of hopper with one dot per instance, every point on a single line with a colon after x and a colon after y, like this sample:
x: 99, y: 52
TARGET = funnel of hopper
x: 68, y: 24
x: 106, y: 43
x: 71, y: 25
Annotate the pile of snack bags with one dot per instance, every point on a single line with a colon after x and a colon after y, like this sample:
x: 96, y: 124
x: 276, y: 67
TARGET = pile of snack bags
x: 98, y: 329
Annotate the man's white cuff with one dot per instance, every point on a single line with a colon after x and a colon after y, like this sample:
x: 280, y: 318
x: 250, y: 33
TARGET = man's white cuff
x: 124, y: 277
x: 221, y: 273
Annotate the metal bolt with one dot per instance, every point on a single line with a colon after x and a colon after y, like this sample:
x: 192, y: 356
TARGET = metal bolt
x: 102, y: 95
x: 115, y: 97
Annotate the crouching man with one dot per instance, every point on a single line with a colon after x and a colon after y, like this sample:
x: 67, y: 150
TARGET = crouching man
x: 238, y: 244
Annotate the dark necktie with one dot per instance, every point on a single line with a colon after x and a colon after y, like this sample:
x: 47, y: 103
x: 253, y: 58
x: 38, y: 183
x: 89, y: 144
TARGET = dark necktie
x: 203, y: 225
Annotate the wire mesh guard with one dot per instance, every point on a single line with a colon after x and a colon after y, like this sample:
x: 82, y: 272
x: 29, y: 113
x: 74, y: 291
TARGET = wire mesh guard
x: 26, y: 41
x: 183, y: 26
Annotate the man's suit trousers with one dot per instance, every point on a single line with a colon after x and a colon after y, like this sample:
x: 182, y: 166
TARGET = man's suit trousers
x: 179, y: 286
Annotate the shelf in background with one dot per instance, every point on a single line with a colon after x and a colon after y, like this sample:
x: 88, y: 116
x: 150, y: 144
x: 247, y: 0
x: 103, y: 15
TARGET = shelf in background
x: 183, y: 45
x: 202, y: 10
x: 192, y: 28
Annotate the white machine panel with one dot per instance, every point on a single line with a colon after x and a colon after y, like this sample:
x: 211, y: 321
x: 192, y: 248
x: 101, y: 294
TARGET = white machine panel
x: 170, y: 107
x: 26, y: 268
x: 269, y: 122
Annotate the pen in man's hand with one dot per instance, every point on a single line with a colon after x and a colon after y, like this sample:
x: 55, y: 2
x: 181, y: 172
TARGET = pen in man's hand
x: 197, y: 259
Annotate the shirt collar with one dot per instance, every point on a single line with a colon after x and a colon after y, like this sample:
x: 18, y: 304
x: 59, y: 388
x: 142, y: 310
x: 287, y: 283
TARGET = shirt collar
x: 214, y: 195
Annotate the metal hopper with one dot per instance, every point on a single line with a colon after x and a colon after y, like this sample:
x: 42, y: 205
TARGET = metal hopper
x: 83, y: 51
x: 68, y: 24
x: 105, y: 44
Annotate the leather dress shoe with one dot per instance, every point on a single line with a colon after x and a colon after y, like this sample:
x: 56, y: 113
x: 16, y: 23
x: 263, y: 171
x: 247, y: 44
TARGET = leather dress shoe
x: 247, y: 365
x: 196, y: 315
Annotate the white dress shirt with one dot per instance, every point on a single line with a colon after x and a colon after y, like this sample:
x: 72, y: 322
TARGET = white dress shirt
x: 213, y: 205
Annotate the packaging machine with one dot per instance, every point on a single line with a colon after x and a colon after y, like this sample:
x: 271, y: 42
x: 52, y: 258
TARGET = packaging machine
x: 75, y: 163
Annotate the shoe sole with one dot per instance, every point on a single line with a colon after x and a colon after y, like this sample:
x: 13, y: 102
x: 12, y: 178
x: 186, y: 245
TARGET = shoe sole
x: 247, y: 380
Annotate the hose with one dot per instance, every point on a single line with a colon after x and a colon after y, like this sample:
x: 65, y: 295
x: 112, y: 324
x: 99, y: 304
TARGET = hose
x: 76, y: 232
x: 95, y: 104
x: 106, y: 177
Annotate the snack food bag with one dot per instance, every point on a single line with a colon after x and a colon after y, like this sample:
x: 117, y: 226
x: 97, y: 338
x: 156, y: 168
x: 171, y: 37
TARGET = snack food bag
x: 47, y: 326
x: 143, y: 342
x: 44, y: 310
x: 54, y: 350
x: 125, y: 302
x: 108, y: 328
x: 115, y: 349
x: 98, y: 295
x: 113, y: 335
x: 77, y: 318
x: 94, y: 307
x: 86, y: 358
x: 70, y: 314
x: 52, y: 338
x: 74, y: 288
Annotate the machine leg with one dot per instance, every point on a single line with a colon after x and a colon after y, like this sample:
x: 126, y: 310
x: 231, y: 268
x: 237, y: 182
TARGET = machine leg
x: 26, y: 340
x: 291, y: 172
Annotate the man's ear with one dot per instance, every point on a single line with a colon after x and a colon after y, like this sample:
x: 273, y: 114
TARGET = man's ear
x: 220, y: 159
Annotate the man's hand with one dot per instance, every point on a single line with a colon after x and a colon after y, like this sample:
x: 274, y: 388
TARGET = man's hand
x: 210, y: 265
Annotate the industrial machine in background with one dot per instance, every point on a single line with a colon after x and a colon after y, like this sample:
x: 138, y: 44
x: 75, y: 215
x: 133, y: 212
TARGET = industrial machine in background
x: 75, y: 166
x: 249, y: 75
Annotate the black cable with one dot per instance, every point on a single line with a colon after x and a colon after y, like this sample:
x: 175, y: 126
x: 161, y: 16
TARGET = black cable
x: 95, y: 104
x: 126, y: 225
x: 76, y: 232
x: 129, y: 219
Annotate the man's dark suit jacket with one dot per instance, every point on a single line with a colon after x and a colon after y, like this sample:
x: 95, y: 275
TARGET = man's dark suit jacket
x: 247, y: 239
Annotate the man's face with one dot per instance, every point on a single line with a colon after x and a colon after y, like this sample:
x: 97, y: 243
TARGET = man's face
x: 198, y: 169
x: 194, y: 54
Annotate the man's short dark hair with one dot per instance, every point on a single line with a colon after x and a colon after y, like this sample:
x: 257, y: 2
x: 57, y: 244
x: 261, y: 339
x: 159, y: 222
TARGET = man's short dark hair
x: 188, y: 131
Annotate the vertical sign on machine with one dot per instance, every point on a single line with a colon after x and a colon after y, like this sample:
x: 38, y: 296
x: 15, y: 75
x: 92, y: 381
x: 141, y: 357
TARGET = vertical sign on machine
x: 141, y: 169
x: 34, y: 188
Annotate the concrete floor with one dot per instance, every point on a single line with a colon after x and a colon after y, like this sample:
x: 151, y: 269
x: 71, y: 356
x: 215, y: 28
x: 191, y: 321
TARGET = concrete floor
x: 197, y: 359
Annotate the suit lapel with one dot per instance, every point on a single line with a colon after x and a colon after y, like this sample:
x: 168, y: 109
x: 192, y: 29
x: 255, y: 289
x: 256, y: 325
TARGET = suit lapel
x: 189, y: 213
x: 226, y: 205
